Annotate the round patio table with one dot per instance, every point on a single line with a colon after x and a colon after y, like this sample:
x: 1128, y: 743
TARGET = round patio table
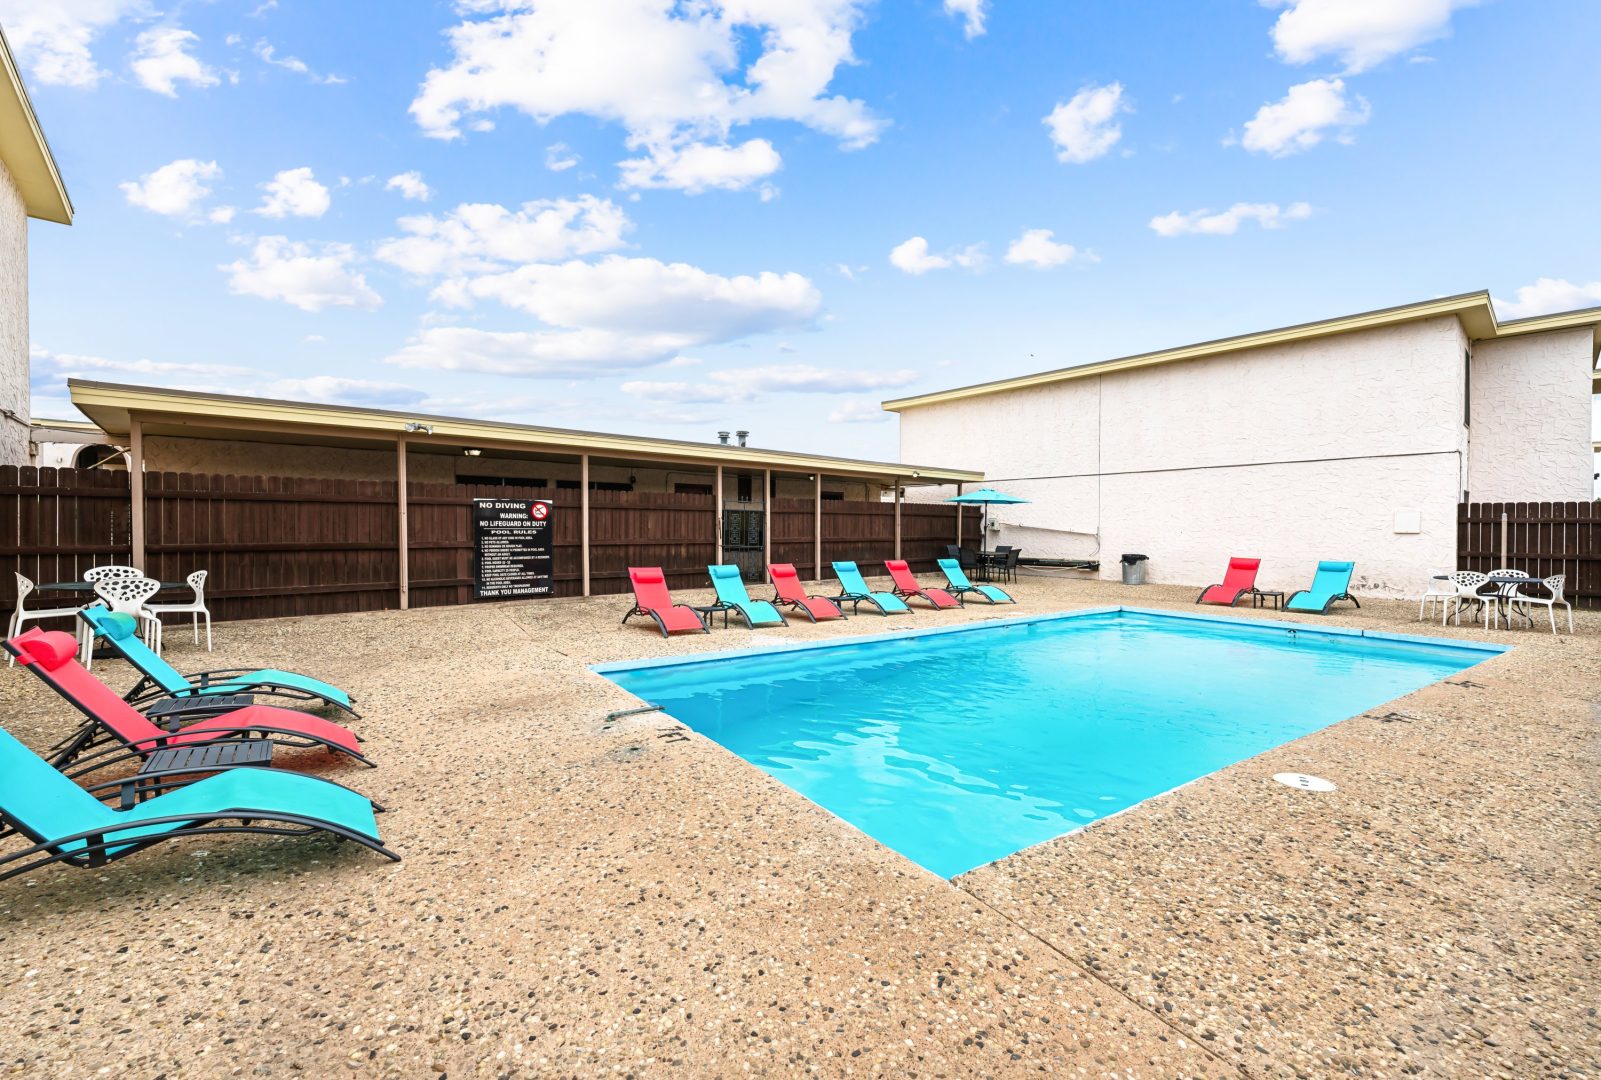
x: 1506, y: 588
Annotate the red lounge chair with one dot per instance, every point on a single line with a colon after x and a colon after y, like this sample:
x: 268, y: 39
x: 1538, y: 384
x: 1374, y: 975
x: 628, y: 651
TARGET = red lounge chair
x: 788, y: 592
x: 1240, y: 580
x: 906, y: 586
x: 652, y: 598
x: 53, y: 657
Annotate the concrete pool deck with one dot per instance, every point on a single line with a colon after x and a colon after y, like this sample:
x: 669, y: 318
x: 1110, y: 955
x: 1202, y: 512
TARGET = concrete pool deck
x: 581, y: 898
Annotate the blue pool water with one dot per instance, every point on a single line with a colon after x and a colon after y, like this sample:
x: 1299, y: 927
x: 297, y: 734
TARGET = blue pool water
x: 959, y: 748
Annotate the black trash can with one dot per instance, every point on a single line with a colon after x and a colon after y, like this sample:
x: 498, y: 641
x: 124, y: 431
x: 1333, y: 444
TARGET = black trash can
x: 1134, y: 569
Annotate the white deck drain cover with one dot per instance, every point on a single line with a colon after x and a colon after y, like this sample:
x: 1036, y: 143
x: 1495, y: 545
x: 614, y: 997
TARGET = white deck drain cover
x: 1303, y: 782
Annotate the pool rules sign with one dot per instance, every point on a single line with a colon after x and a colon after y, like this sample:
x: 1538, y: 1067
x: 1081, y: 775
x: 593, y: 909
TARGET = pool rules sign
x: 511, y: 548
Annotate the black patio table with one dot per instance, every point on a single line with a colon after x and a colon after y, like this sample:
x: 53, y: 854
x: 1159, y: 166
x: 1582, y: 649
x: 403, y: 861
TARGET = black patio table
x: 1506, y: 588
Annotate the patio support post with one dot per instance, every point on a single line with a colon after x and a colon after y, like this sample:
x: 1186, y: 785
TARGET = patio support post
x: 898, y: 517
x: 403, y: 524
x: 817, y: 528
x: 136, y: 491
x: 583, y: 519
x: 767, y: 517
x: 718, y: 524
x: 959, y: 509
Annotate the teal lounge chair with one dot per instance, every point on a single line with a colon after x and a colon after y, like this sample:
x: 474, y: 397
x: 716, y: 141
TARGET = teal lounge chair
x: 162, y: 680
x: 956, y: 578
x: 853, y: 587
x: 1331, y: 582
x: 731, y: 594
x: 67, y: 823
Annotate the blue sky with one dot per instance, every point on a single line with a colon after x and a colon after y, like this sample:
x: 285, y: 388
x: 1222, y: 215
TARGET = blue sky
x: 672, y: 218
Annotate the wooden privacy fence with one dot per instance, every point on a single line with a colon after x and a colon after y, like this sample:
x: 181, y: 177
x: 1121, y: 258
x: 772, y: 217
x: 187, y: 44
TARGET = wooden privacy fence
x: 276, y: 545
x: 1543, y: 539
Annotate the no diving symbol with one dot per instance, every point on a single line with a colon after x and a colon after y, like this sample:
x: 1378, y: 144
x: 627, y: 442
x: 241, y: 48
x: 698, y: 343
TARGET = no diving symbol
x: 539, y: 511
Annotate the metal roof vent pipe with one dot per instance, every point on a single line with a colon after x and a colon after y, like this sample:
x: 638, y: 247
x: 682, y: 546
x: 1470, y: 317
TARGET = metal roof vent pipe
x: 722, y: 437
x: 743, y: 435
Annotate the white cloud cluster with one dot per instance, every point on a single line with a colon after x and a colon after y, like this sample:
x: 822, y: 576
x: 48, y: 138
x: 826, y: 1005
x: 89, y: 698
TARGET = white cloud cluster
x: 175, y: 190
x: 294, y: 193
x: 53, y: 37
x: 1304, y: 117
x: 737, y: 385
x: 161, y: 60
x: 914, y: 257
x: 558, y: 158
x: 1039, y: 248
x: 1360, y: 33
x: 268, y: 54
x: 972, y: 13
x: 677, y: 77
x: 486, y: 236
x: 1085, y: 127
x: 859, y: 411
x: 1228, y: 222
x: 410, y: 185
x: 312, y: 279
x: 1547, y: 295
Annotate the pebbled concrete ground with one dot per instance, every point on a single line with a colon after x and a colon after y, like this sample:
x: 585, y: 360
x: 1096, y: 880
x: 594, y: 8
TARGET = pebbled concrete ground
x: 581, y: 898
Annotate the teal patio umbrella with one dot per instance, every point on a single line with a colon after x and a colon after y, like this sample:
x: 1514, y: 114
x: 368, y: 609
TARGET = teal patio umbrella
x: 985, y: 497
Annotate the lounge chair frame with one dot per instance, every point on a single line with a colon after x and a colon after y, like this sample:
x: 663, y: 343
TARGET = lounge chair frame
x: 921, y: 593
x: 147, y: 691
x: 662, y: 626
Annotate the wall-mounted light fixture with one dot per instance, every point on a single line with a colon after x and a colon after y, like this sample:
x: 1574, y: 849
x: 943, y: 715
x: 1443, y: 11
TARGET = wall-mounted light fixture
x: 472, y: 451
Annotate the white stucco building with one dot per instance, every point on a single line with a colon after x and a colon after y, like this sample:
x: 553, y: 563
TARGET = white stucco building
x: 1352, y: 438
x: 30, y: 187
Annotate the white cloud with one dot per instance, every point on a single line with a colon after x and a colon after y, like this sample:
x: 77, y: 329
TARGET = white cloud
x: 269, y: 54
x: 1086, y: 127
x: 972, y: 13
x: 913, y: 257
x: 1547, y: 295
x: 1036, y: 248
x: 338, y: 390
x: 52, y: 37
x: 294, y: 192
x: 558, y: 158
x: 747, y: 384
x: 410, y: 185
x: 161, y: 60
x: 697, y: 167
x: 295, y: 273
x: 672, y: 75
x: 486, y: 236
x: 1310, y: 111
x: 222, y: 215
x: 1227, y: 223
x: 616, y: 313
x: 1362, y: 33
x: 859, y: 411
x: 175, y: 189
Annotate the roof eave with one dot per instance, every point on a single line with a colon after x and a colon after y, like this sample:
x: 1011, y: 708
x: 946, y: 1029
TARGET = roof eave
x: 24, y: 148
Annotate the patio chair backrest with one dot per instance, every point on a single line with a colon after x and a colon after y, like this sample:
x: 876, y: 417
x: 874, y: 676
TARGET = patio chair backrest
x: 786, y: 581
x: 197, y: 582
x: 1509, y: 572
x: 24, y: 587
x: 43, y: 802
x: 729, y: 584
x: 121, y: 631
x: 1012, y: 555
x: 850, y: 578
x: 953, y: 574
x: 126, y: 594
x: 1241, y: 573
x: 1332, y: 578
x: 52, y: 655
x: 1467, y: 582
x: 650, y: 587
x: 107, y: 573
x: 1555, y: 583
x: 900, y: 572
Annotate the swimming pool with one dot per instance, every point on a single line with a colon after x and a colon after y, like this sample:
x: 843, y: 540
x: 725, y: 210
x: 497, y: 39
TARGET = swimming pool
x: 960, y: 746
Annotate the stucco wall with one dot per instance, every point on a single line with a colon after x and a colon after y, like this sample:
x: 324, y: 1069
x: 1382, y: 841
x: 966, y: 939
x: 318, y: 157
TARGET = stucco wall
x: 169, y: 454
x: 1531, y: 418
x: 1294, y: 453
x: 13, y: 323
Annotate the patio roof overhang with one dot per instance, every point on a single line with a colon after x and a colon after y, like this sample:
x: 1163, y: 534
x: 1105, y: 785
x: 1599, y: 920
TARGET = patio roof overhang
x: 115, y: 408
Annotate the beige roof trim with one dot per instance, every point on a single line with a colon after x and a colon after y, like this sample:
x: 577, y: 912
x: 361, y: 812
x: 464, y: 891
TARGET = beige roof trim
x: 112, y: 406
x: 1473, y: 310
x: 24, y: 150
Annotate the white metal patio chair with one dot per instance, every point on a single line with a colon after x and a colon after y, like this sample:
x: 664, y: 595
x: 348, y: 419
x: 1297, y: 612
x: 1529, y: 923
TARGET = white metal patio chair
x: 1554, y: 586
x: 1504, y: 596
x: 194, y: 608
x: 1439, y: 590
x: 1467, y: 584
x: 128, y: 595
x: 22, y: 615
